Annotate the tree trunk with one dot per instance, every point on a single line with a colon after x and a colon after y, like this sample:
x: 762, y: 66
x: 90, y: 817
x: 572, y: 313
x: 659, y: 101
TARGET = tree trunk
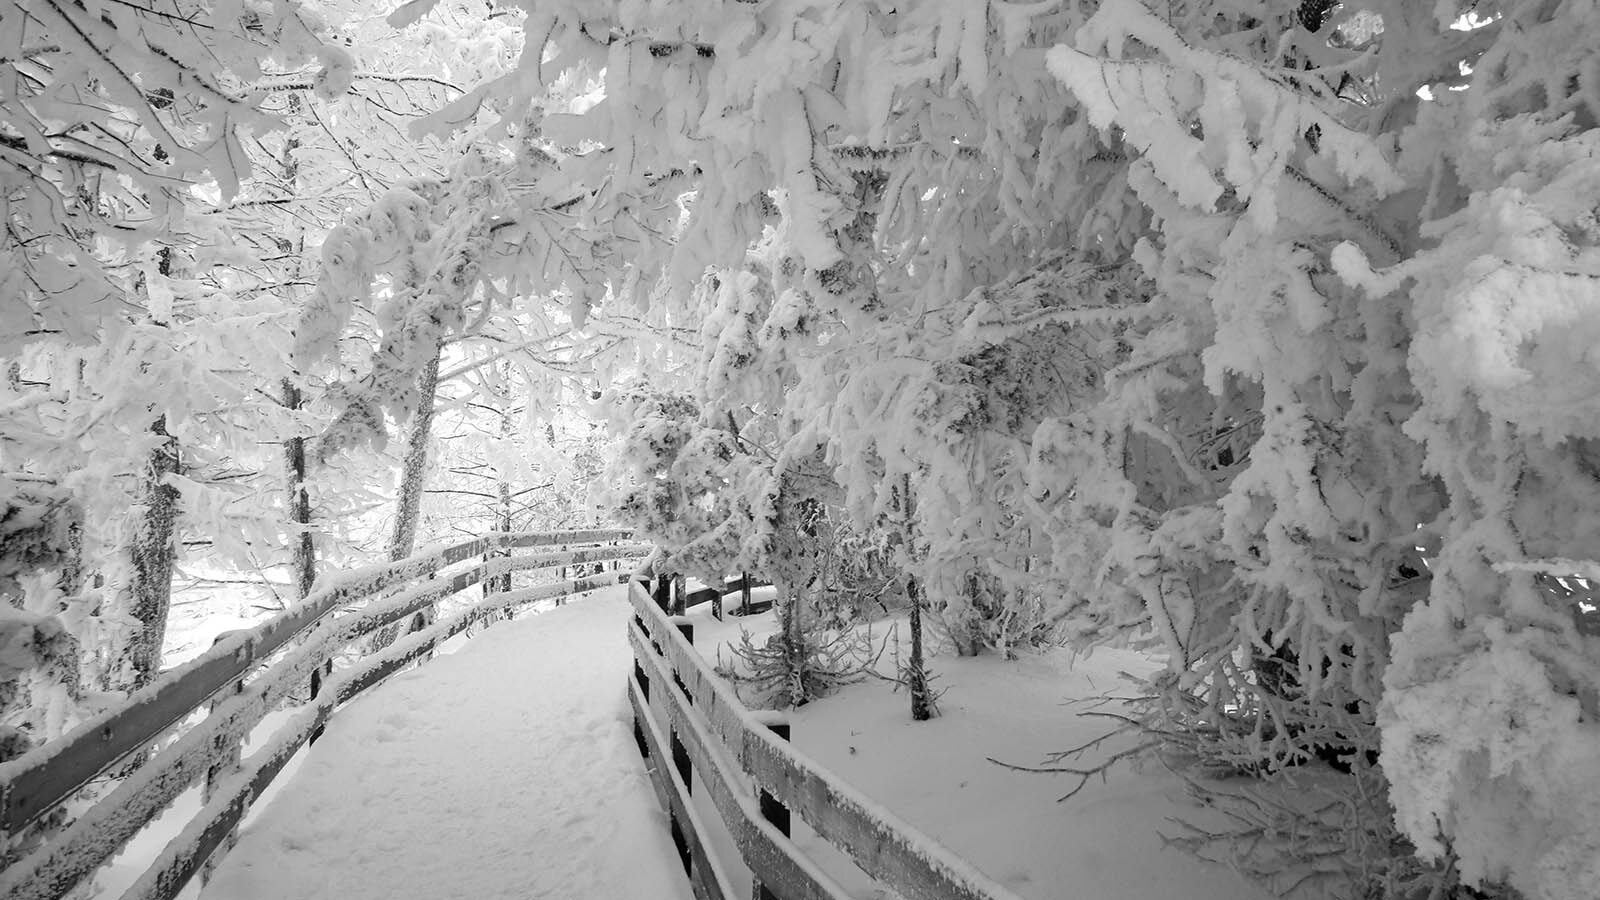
x: 964, y: 626
x: 150, y: 590
x: 792, y: 629
x: 413, y: 478
x: 502, y: 583
x: 916, y: 673
x: 303, y: 561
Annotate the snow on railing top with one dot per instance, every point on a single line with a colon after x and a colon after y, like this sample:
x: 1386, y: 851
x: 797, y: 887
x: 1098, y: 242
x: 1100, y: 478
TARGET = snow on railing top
x: 882, y: 844
x: 320, y: 626
x: 38, y: 780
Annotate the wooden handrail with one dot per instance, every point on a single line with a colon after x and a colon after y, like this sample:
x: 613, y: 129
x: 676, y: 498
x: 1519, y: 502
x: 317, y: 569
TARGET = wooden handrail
x: 673, y: 595
x: 699, y: 705
x: 232, y: 798
x: 321, y: 626
x: 40, y: 779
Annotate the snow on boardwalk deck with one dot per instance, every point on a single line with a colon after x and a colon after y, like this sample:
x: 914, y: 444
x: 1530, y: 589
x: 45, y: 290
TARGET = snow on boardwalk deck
x: 507, y: 769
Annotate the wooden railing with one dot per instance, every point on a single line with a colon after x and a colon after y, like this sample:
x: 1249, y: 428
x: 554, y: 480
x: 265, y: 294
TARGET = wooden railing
x: 688, y: 716
x: 234, y: 685
x: 673, y: 595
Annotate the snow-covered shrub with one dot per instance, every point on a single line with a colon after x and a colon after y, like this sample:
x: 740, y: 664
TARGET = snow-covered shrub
x: 1318, y: 835
x: 1491, y: 707
x: 784, y: 674
x: 675, y: 480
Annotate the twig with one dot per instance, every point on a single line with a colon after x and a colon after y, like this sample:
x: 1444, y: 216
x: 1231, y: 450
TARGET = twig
x: 1083, y: 774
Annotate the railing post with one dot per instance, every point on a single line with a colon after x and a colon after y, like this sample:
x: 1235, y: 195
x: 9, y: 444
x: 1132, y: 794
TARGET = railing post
x: 318, y: 676
x: 227, y: 763
x: 744, y: 593
x: 661, y: 592
x: 681, y: 762
x: 772, y: 809
x: 686, y: 628
x: 680, y: 753
x: 643, y: 679
x: 680, y: 594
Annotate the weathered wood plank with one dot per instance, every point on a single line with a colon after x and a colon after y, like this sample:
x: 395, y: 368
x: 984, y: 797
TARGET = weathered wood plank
x: 499, y: 565
x: 766, y: 851
x: 883, y: 845
x: 41, y: 779
x: 548, y: 538
x: 375, y: 669
x: 705, y: 876
x: 102, y: 830
x: 186, y: 854
x: 734, y: 584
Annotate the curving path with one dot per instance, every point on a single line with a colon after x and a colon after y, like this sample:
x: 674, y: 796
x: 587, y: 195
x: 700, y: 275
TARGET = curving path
x: 507, y: 769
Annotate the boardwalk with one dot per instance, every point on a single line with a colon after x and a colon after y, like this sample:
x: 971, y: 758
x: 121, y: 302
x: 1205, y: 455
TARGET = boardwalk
x: 505, y: 770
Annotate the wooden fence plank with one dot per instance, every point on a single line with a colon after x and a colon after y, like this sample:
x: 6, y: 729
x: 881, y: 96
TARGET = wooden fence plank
x: 707, y: 879
x: 766, y: 851
x: 185, y: 854
x: 102, y: 830
x: 411, y: 647
x: 883, y: 845
x: 548, y: 538
x: 42, y: 778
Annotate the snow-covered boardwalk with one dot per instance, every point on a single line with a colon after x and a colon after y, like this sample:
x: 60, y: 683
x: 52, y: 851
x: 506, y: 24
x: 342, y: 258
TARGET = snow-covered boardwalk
x: 507, y: 769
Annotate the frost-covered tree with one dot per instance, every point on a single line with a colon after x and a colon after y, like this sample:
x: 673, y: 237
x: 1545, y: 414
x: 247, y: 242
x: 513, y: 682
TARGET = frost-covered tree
x: 1255, y: 333
x: 1418, y: 408
x: 113, y: 110
x: 715, y: 500
x: 113, y: 115
x: 147, y: 286
x: 511, y: 458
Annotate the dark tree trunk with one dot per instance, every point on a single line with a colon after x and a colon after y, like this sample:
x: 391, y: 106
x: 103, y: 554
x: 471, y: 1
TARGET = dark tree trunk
x: 303, y: 550
x: 791, y: 626
x: 916, y: 673
x: 302, y: 547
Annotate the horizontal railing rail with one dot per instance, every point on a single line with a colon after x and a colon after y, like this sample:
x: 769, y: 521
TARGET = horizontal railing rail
x: 243, y: 677
x: 673, y: 594
x: 688, y: 716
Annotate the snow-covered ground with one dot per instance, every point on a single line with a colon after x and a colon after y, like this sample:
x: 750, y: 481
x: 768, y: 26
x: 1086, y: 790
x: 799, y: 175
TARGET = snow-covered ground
x: 1104, y: 843
x: 507, y: 769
